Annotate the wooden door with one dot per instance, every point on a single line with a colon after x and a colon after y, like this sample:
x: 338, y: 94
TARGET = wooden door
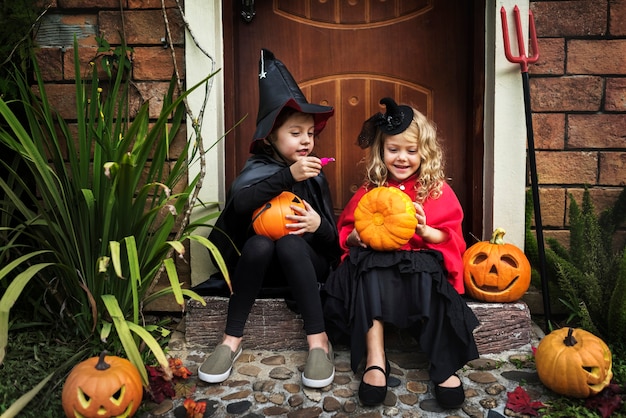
x: 350, y: 54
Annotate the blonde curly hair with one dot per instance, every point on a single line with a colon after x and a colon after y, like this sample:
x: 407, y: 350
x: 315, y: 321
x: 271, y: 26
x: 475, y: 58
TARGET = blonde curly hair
x: 431, y: 176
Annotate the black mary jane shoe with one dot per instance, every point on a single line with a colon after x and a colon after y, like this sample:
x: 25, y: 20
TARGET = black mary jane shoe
x: 450, y: 398
x: 371, y: 395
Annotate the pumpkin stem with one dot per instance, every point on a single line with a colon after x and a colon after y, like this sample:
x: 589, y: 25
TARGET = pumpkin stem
x: 570, y: 341
x: 102, y: 365
x: 498, y: 236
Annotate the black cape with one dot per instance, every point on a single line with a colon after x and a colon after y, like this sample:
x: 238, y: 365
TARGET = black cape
x: 232, y: 229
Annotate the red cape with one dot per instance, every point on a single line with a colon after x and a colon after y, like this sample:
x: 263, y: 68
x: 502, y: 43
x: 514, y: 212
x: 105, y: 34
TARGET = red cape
x: 444, y: 213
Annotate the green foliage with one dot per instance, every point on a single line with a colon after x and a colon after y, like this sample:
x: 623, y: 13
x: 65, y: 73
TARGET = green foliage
x: 617, y: 306
x: 589, y: 277
x: 37, y: 352
x: 16, y: 20
x: 619, y: 362
x: 564, y: 407
x: 103, y: 221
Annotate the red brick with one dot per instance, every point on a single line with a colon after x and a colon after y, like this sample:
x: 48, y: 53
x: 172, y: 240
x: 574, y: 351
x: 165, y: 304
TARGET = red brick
x: 549, y: 130
x: 552, y: 201
x: 617, y: 22
x: 570, y: 18
x: 602, y: 198
x: 567, y: 167
x: 152, y: 92
x: 92, y: 4
x: 62, y: 97
x: 561, y: 236
x: 615, y: 95
x: 144, y: 27
x: 50, y: 62
x: 551, y: 57
x: 596, y: 131
x: 88, y: 57
x: 156, y: 63
x: 566, y: 94
x: 151, y: 4
x: 596, y: 56
x: 178, y: 143
x: 613, y: 168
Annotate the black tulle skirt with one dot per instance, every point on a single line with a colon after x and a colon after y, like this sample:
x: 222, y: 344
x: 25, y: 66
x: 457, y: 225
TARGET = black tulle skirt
x: 408, y: 289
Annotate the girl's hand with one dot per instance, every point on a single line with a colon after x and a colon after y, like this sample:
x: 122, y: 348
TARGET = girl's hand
x: 305, y: 220
x: 420, y: 229
x: 354, y: 240
x: 305, y: 168
x: 428, y: 233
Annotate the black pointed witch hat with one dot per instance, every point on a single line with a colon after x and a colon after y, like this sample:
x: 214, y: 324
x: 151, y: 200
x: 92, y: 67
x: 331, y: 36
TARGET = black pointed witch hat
x: 395, y: 120
x: 278, y: 89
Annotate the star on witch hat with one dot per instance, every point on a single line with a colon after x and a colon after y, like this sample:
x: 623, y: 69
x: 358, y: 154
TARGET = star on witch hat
x: 278, y: 89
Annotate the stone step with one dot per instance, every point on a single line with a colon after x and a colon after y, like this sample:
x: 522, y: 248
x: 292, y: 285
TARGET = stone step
x: 273, y: 326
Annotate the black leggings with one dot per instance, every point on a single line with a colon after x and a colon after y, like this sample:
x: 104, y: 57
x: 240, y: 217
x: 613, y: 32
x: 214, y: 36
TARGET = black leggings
x: 288, y: 261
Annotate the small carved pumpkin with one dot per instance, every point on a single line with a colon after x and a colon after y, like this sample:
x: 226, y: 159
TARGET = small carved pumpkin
x: 270, y: 219
x: 102, y: 387
x: 385, y: 218
x: 574, y: 362
x: 496, y: 271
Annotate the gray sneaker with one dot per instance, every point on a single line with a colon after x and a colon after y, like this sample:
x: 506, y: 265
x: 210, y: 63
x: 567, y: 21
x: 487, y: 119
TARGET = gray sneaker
x: 216, y: 368
x: 320, y: 368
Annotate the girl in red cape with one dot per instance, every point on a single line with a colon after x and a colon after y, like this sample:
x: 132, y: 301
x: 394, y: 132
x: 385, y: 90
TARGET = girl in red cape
x: 417, y: 287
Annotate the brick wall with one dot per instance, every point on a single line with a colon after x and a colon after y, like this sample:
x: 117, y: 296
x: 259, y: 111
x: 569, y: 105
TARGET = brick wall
x: 578, y: 96
x: 142, y: 25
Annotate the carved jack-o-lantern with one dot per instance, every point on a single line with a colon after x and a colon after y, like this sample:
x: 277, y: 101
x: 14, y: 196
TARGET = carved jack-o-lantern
x: 574, y: 362
x: 270, y: 219
x: 102, y: 387
x: 496, y: 271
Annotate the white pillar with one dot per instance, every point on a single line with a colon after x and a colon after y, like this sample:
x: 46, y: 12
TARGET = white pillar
x: 205, y: 20
x: 505, y: 129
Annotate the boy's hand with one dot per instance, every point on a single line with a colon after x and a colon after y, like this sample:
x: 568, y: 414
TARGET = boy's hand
x: 305, y: 220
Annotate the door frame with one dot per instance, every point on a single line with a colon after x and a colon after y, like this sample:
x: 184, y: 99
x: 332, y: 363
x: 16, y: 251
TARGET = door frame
x: 499, y: 131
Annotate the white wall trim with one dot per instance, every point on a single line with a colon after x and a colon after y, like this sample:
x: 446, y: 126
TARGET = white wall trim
x: 504, y: 173
x: 205, y: 21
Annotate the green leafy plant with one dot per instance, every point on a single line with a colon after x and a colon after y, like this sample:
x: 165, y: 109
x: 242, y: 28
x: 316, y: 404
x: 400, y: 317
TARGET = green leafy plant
x: 109, y: 211
x: 589, y: 277
x: 34, y: 369
x: 17, y: 19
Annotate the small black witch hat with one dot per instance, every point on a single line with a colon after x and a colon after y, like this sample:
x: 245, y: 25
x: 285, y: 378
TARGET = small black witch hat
x: 278, y: 89
x: 395, y: 120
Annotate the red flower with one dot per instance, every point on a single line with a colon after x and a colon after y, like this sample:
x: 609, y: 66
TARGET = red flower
x: 519, y: 401
x: 178, y: 369
x: 162, y: 388
x: 194, y: 409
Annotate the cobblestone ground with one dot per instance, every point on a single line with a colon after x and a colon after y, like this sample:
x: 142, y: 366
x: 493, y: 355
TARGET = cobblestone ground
x: 267, y: 383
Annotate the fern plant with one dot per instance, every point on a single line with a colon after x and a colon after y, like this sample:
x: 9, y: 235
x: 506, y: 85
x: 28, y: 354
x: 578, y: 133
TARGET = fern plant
x: 589, y: 277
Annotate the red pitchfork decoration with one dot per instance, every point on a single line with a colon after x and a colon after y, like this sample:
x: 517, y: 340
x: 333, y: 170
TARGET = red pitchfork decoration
x: 523, y: 60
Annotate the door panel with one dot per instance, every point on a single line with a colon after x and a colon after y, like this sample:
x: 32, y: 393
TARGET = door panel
x: 349, y: 54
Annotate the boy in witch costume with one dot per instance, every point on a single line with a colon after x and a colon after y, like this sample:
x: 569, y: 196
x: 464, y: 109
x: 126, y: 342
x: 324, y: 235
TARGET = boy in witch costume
x: 282, y: 160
